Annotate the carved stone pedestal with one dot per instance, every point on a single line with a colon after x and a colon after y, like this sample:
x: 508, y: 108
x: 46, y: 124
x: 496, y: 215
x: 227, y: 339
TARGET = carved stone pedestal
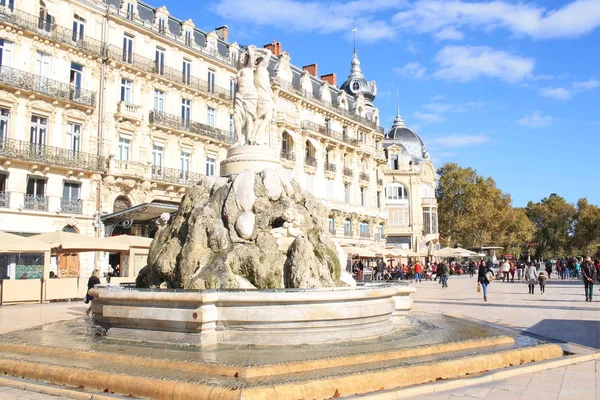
x: 254, y: 158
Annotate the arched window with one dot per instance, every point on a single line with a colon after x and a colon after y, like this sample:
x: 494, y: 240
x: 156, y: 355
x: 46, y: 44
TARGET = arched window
x: 396, y: 193
x: 70, y: 228
x: 380, y: 232
x: 364, y: 229
x: 347, y: 228
x: 121, y: 203
x: 286, y: 142
x: 331, y: 222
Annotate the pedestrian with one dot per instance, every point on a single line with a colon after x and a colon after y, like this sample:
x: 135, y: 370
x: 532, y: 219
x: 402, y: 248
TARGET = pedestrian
x: 471, y: 268
x: 531, y: 277
x: 588, y: 273
x: 520, y: 270
x: 577, y: 269
x: 549, y: 268
x: 542, y: 281
x: 505, y: 269
x: 484, y: 277
x: 93, y: 281
x: 443, y: 272
x: 512, y: 270
x: 418, y: 272
x: 379, y: 274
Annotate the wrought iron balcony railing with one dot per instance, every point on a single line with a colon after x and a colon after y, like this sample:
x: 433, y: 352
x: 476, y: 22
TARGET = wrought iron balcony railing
x: 150, y: 66
x: 311, y: 161
x: 324, y: 130
x: 171, y: 121
x: 35, y: 203
x: 288, y: 155
x: 348, y: 172
x: 173, y: 175
x: 26, y: 151
x: 4, y: 199
x: 71, y: 206
x: 348, y: 233
x: 364, y: 176
x: 49, y: 87
x: 330, y: 167
x: 55, y: 32
x: 130, y: 168
x: 365, y: 235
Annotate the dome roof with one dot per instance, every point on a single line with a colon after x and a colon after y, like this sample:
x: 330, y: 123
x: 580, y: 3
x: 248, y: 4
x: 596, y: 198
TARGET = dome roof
x: 356, y: 82
x: 408, y: 139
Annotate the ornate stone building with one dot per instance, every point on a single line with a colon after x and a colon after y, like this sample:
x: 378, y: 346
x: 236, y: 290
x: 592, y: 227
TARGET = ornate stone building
x: 109, y: 109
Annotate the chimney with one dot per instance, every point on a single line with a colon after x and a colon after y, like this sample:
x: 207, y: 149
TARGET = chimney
x: 223, y: 33
x: 275, y: 47
x: 330, y: 78
x: 312, y: 69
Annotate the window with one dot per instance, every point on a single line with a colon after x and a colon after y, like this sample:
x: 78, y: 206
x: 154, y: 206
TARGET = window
x: 4, y: 195
x: 126, y: 89
x: 210, y: 166
x: 427, y: 191
x: 159, y: 61
x: 380, y: 232
x: 348, y: 193
x: 45, y: 20
x: 355, y: 86
x: 185, y: 165
x: 121, y: 203
x: 36, y: 186
x: 130, y: 12
x: 70, y: 202
x: 331, y: 223
x: 76, y: 74
x: 128, y: 49
x: 396, y: 193
x: 124, y: 146
x: 159, y: 100
x: 188, y: 38
x: 10, y: 4
x: 211, y: 45
x: 286, y: 143
x: 210, y: 117
x: 35, y: 196
x: 232, y: 88
x: 37, y: 133
x: 161, y: 25
x: 6, y: 49
x: 73, y: 136
x: 347, y: 228
x: 231, y: 127
x: 211, y: 81
x: 78, y: 28
x: 186, y: 111
x: 4, y: 123
x: 394, y: 162
x: 157, y: 159
x: 364, y: 197
x: 399, y: 216
x: 345, y: 131
x: 327, y: 125
x: 430, y: 224
x: 378, y: 199
x: 186, y: 71
x: 234, y: 58
x: 364, y: 230
x: 42, y: 65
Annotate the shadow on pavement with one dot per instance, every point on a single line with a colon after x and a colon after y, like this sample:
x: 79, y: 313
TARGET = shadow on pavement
x: 584, y: 333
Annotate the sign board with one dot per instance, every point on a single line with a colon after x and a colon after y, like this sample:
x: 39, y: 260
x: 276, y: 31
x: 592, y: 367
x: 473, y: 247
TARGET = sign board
x: 508, y: 256
x: 32, y: 271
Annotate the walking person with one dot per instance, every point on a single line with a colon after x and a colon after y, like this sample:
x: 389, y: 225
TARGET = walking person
x: 588, y: 272
x: 443, y: 272
x: 520, y: 270
x: 505, y: 269
x: 93, y: 281
x: 542, y: 281
x: 512, y: 270
x: 531, y: 277
x: 418, y: 272
x: 484, y: 277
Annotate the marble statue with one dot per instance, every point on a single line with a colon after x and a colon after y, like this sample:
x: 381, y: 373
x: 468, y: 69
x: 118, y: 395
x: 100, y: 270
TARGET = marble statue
x: 253, y: 104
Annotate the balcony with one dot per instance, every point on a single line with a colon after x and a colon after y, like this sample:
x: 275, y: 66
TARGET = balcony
x: 348, y: 234
x: 288, y: 155
x: 33, y: 24
x: 129, y: 168
x: 175, y: 122
x: 150, y: 66
x: 4, y: 199
x: 364, y: 176
x: 365, y: 235
x: 48, y: 87
x: 38, y: 153
x: 348, y: 172
x: 71, y: 206
x: 129, y: 111
x: 176, y: 176
x: 35, y: 203
x: 310, y: 161
x: 326, y: 131
x: 330, y: 167
x: 429, y: 201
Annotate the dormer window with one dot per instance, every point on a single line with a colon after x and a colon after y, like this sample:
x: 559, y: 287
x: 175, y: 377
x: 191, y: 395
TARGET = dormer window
x: 212, y: 46
x: 355, y: 86
x: 130, y: 12
x: 187, y: 37
x: 162, y: 23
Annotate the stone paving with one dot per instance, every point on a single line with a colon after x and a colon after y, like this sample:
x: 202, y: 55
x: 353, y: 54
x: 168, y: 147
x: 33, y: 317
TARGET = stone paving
x: 561, y: 313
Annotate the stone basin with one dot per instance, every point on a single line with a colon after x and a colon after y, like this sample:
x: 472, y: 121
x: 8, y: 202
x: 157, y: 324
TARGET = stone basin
x: 251, y: 317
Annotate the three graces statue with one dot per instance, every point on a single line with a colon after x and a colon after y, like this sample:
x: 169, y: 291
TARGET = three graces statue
x: 253, y: 105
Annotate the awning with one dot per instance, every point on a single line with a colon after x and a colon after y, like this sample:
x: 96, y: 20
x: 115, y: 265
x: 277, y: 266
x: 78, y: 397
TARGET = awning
x: 455, y: 252
x: 67, y: 241
x: 145, y: 213
x: 10, y: 243
x: 359, y: 252
x: 125, y: 242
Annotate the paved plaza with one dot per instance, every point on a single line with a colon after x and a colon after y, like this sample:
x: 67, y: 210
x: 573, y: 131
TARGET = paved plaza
x: 561, y: 313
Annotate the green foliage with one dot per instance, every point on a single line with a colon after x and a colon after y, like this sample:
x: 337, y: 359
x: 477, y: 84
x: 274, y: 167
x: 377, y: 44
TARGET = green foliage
x: 553, y: 220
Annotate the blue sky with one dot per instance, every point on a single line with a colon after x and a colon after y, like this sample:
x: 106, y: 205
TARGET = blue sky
x: 511, y: 89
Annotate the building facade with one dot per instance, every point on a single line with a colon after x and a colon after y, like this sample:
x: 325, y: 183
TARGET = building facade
x: 110, y: 105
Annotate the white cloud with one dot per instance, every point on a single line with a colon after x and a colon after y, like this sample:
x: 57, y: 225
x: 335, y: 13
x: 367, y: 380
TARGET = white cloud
x: 467, y: 63
x: 449, y: 33
x: 590, y: 84
x: 558, y: 93
x: 455, y: 140
x: 429, y: 118
x: 414, y: 69
x: 536, y: 120
x: 313, y: 16
x: 577, y: 18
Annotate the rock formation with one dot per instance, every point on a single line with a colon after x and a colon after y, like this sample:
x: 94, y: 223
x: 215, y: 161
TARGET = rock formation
x: 253, y: 230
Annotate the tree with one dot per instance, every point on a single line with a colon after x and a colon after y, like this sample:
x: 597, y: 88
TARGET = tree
x: 586, y: 228
x: 553, y: 220
x: 474, y: 212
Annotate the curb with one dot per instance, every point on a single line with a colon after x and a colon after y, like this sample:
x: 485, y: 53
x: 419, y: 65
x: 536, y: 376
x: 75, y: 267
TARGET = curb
x: 52, y: 390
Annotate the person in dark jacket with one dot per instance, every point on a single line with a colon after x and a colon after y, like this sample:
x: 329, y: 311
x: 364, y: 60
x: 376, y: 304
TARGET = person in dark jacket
x: 482, y: 277
x: 443, y: 272
x: 588, y: 272
x: 93, y: 281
